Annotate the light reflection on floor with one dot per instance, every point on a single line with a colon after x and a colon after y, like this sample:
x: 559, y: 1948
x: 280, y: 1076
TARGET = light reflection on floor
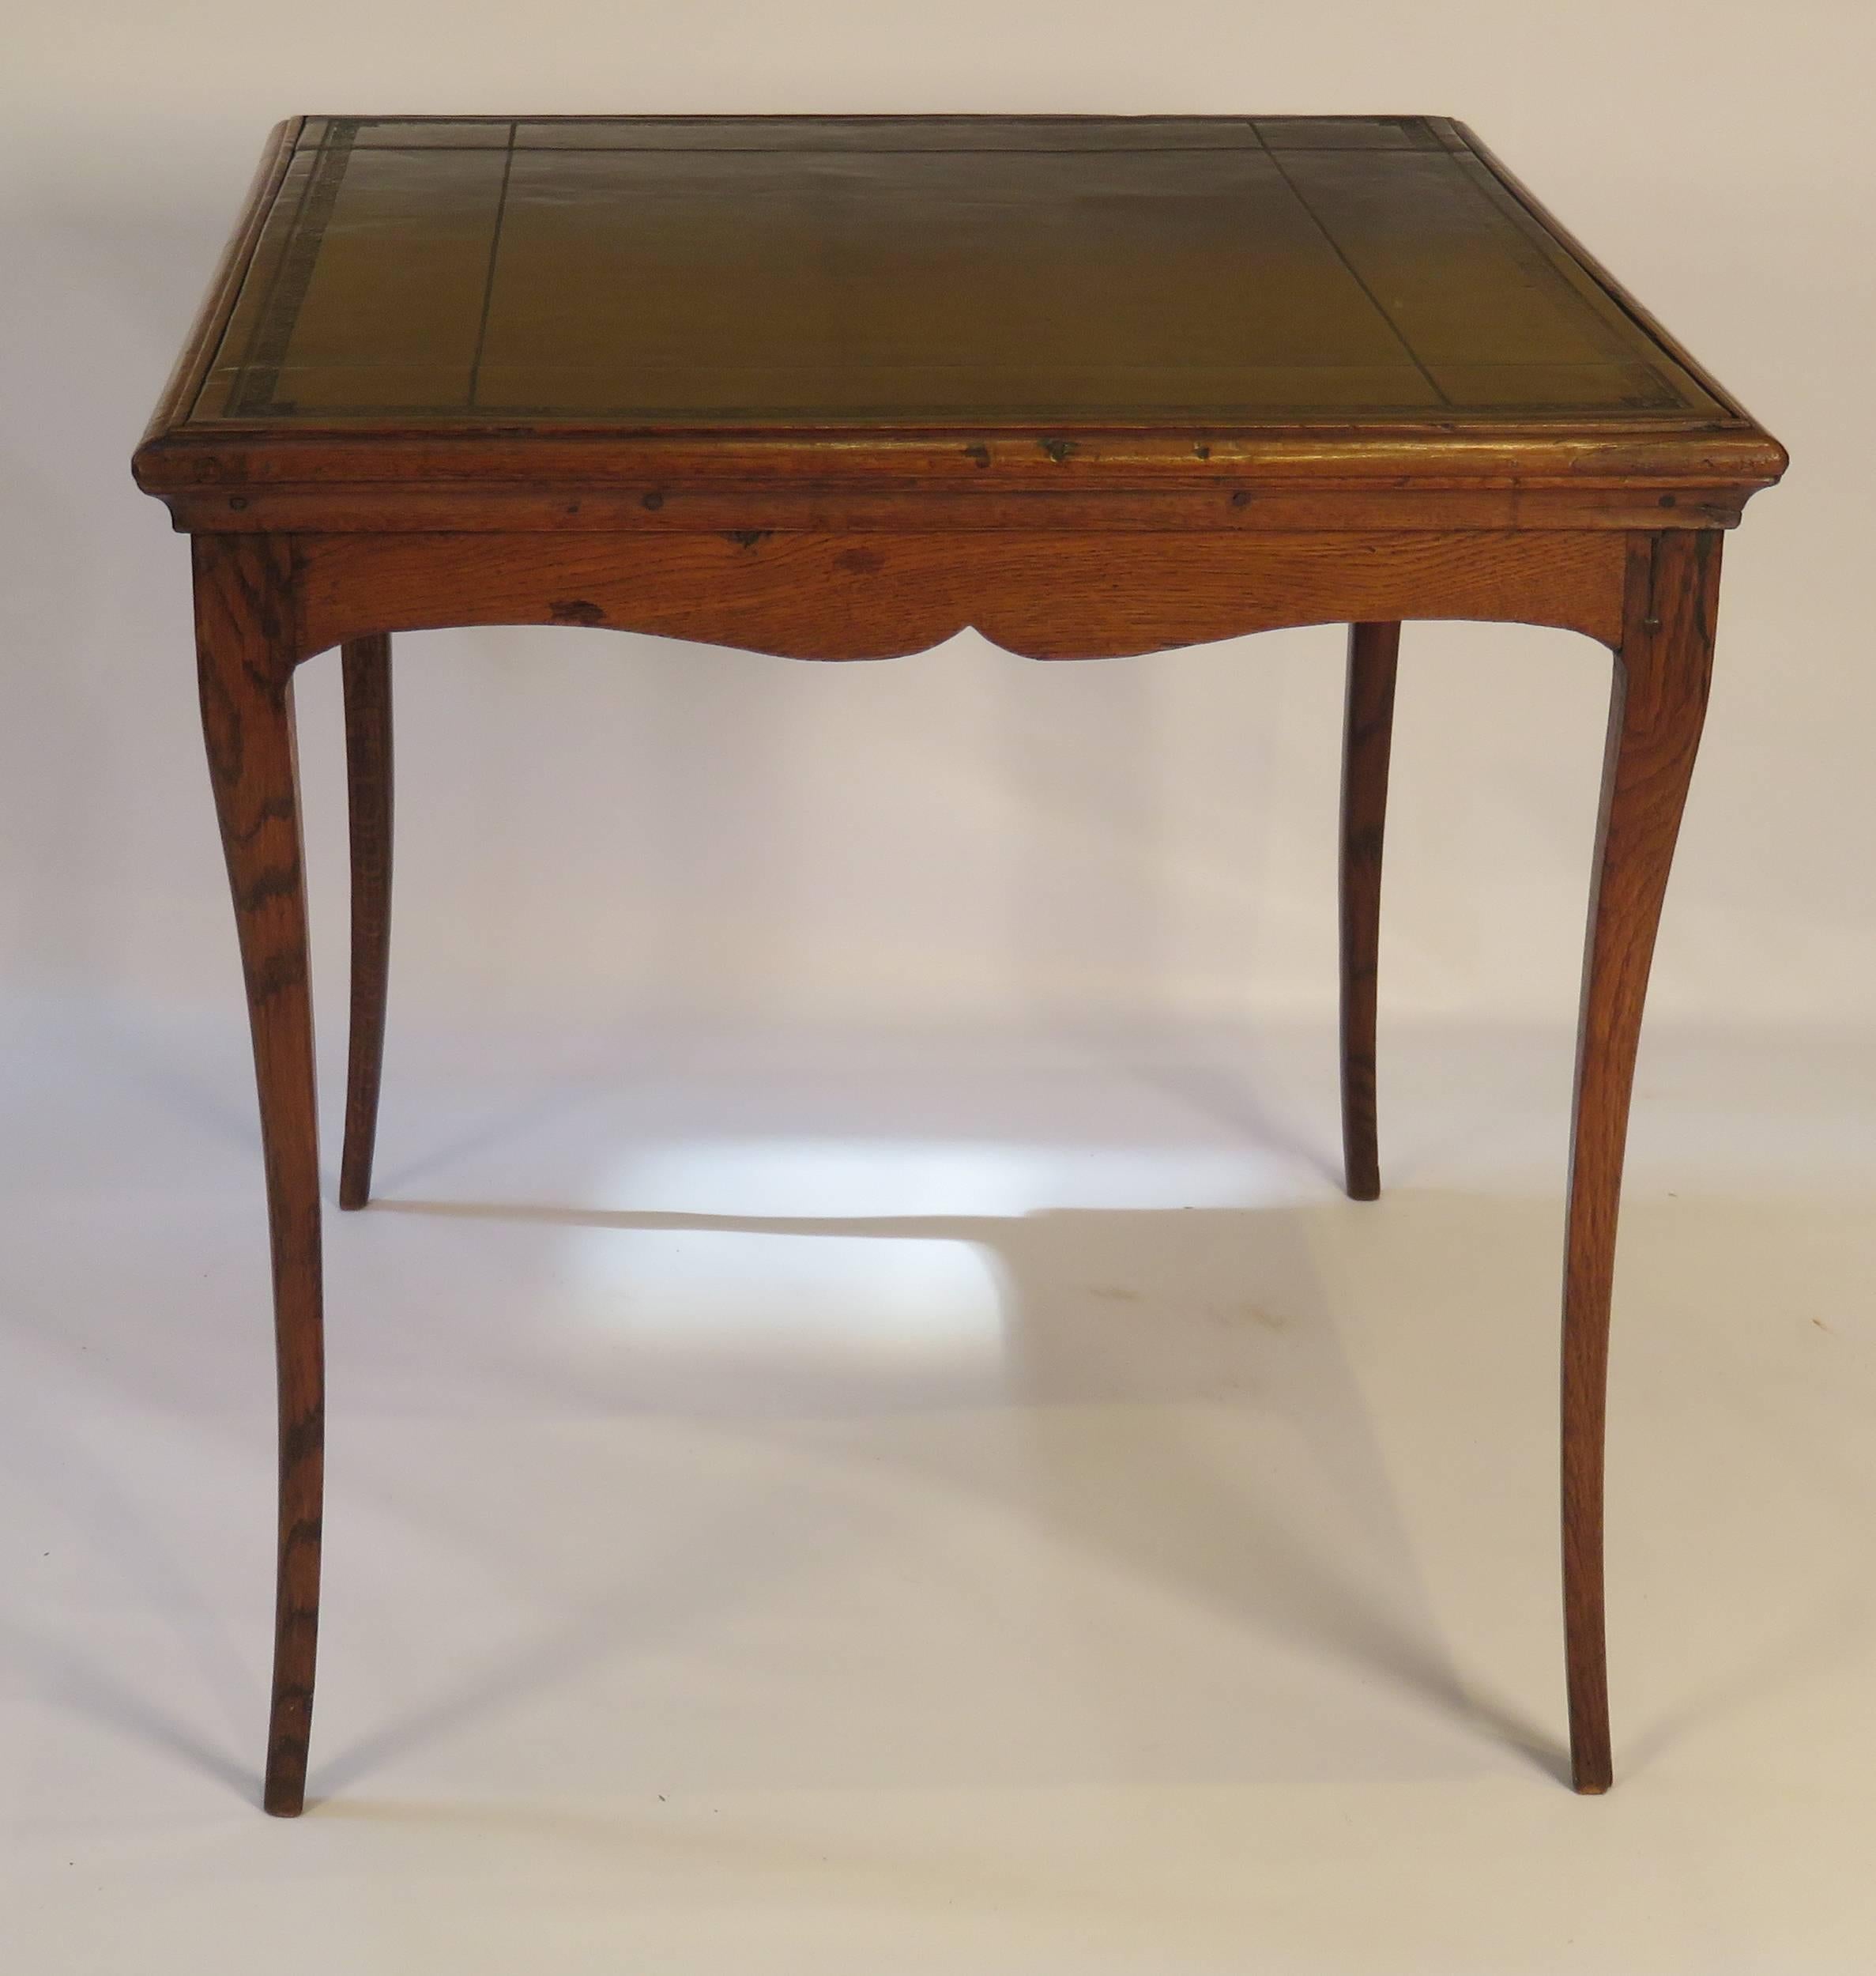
x: 896, y: 1298
x: 840, y: 1267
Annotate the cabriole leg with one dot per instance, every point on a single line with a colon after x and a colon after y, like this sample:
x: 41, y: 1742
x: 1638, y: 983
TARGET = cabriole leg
x: 1656, y: 711
x: 245, y: 650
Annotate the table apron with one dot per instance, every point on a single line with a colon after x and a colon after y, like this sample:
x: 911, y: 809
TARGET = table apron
x: 1041, y: 594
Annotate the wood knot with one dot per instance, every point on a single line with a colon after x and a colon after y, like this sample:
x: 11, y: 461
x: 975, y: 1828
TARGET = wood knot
x: 575, y: 610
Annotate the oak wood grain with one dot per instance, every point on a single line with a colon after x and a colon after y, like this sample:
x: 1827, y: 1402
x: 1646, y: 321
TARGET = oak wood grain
x: 551, y: 455
x: 553, y: 480
x: 1238, y: 504
x: 1656, y: 711
x: 244, y: 643
x: 1052, y: 595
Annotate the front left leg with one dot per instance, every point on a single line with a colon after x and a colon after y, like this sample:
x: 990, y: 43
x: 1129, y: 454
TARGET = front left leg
x: 246, y: 652
x: 1656, y: 711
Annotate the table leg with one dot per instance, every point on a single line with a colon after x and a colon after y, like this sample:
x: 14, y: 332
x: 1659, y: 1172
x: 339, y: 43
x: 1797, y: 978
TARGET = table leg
x: 367, y: 663
x: 245, y: 660
x: 1373, y: 650
x: 1656, y: 713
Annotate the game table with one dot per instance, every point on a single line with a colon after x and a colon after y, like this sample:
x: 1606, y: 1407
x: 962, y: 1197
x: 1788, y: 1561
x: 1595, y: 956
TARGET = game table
x: 838, y: 387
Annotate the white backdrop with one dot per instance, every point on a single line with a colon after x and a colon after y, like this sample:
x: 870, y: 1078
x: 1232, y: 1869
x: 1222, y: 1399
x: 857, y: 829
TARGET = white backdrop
x: 598, y: 823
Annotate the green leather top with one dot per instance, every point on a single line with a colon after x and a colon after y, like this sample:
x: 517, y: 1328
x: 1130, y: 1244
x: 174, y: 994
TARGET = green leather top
x: 633, y: 273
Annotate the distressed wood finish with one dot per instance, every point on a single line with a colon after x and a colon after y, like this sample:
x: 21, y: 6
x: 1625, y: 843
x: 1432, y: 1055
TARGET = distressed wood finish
x: 1093, y: 386
x: 245, y: 652
x: 1368, y: 734
x: 1656, y: 709
x: 367, y: 663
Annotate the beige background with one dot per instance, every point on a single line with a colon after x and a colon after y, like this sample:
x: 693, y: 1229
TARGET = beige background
x: 865, y: 1437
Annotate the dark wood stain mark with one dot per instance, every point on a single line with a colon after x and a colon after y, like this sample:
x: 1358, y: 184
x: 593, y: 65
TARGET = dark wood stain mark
x: 247, y: 647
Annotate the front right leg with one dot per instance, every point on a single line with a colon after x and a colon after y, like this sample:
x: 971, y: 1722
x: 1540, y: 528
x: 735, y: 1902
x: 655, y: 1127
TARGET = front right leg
x: 247, y: 649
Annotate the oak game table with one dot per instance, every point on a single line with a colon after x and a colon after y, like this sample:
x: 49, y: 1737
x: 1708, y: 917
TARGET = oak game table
x: 837, y: 387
